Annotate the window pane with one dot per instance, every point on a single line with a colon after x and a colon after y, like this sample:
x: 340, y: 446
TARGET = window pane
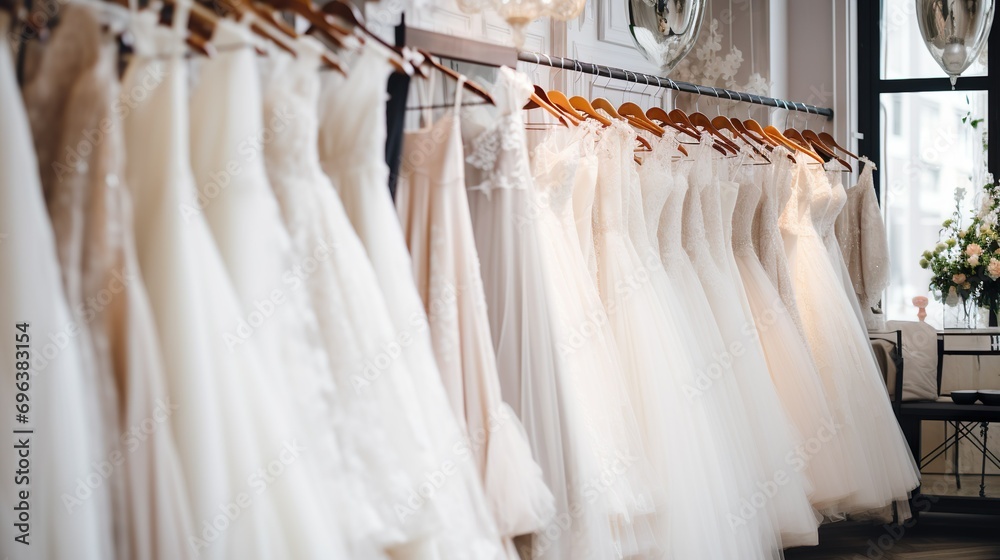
x: 904, y: 54
x: 935, y: 154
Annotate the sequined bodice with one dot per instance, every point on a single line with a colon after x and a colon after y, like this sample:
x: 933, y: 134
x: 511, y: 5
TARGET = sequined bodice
x: 657, y: 181
x: 670, y: 228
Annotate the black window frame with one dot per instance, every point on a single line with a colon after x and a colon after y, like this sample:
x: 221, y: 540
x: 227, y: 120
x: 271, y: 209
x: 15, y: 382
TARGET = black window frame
x: 871, y: 86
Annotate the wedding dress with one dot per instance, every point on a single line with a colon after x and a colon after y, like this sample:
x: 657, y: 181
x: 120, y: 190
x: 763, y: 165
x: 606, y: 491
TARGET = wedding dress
x: 606, y: 523
x: 78, y: 75
x: 712, y: 200
x: 242, y: 212
x: 505, y: 212
x: 863, y: 244
x: 349, y: 157
x: 62, y: 445
x: 825, y: 226
x: 685, y: 442
x: 789, y: 360
x: 882, y: 469
x: 195, y: 306
x: 380, y: 424
x: 767, y: 238
x: 433, y: 208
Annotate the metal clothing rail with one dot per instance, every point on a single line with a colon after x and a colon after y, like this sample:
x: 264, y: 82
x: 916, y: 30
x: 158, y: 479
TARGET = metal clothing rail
x: 648, y: 79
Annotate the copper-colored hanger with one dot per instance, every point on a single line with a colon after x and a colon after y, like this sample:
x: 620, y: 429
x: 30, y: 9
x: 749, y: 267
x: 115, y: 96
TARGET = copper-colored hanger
x: 201, y: 26
x: 831, y: 141
x: 539, y: 99
x: 350, y: 14
x: 583, y: 105
x: 820, y: 146
x: 318, y: 20
x: 722, y: 123
x: 559, y: 100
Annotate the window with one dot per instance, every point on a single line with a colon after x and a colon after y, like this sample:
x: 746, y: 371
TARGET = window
x: 918, y: 131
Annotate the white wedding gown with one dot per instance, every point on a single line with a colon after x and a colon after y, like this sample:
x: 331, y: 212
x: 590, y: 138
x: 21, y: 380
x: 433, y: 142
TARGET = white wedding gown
x: 686, y: 443
x: 434, y: 212
x: 62, y: 448
x: 606, y: 524
x: 882, y: 468
x: 711, y: 200
x: 381, y: 430
x: 79, y: 74
x: 350, y: 154
x: 788, y: 357
x: 505, y: 212
x: 195, y: 307
x: 243, y: 214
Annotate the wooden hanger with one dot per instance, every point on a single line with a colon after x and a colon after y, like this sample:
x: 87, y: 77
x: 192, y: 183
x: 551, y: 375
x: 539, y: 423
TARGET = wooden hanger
x: 634, y: 114
x: 831, y: 141
x: 201, y: 25
x: 723, y: 123
x: 821, y: 147
x: 584, y: 106
x: 657, y: 113
x: 702, y: 121
x: 776, y: 135
x: 350, y: 14
x: 318, y: 20
x: 539, y: 99
x: 559, y: 100
x: 796, y: 137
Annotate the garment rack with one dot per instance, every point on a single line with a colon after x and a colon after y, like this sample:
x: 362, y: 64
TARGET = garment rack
x: 686, y: 87
x: 488, y: 54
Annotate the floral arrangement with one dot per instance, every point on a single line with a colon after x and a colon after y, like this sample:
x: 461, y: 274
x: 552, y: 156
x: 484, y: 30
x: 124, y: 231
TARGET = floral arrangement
x: 966, y: 261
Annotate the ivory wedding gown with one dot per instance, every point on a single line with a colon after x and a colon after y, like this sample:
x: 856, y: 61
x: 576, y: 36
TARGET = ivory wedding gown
x: 242, y: 212
x: 686, y: 444
x: 768, y: 242
x: 788, y: 358
x: 882, y: 469
x: 348, y: 151
x: 504, y: 208
x: 608, y: 456
x: 433, y: 209
x: 62, y: 445
x: 382, y: 431
x: 195, y: 307
x: 74, y: 94
x: 711, y: 201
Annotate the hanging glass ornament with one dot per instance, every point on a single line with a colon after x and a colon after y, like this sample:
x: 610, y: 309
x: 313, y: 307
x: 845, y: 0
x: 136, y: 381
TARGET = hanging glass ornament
x: 665, y: 31
x: 955, y: 31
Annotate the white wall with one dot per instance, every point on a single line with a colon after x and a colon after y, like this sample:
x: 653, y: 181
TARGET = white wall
x: 803, y: 47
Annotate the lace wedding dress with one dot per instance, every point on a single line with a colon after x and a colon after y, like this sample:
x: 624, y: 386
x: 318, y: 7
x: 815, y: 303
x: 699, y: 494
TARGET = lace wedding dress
x: 825, y: 226
x: 195, y: 307
x: 882, y: 469
x: 768, y: 242
x: 505, y: 212
x: 347, y: 150
x: 789, y: 360
x: 73, y: 94
x: 433, y: 208
x: 242, y: 212
x: 712, y: 200
x: 62, y: 446
x: 381, y: 427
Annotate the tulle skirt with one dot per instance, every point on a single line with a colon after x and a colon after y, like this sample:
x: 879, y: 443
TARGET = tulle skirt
x: 687, y: 437
x: 821, y: 456
x: 883, y: 469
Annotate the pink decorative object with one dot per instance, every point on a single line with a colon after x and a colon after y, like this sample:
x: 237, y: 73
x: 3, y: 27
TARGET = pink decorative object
x: 921, y: 302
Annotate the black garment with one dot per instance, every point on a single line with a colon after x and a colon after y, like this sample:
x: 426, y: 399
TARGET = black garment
x: 395, y: 118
